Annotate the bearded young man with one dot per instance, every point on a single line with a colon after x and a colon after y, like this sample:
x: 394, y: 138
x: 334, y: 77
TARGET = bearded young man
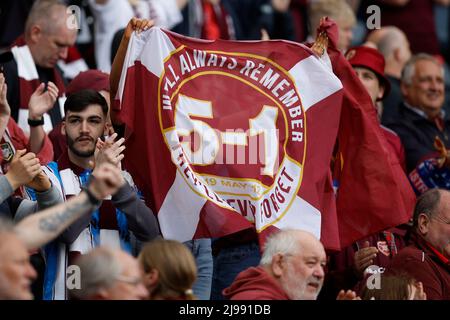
x: 120, y: 221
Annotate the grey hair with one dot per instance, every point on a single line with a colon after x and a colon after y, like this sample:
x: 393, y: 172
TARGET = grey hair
x: 410, y: 67
x: 98, y: 269
x: 283, y: 242
x: 47, y: 14
x: 427, y: 204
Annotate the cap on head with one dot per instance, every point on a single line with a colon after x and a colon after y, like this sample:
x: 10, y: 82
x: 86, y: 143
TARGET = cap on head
x: 371, y: 59
x: 91, y: 79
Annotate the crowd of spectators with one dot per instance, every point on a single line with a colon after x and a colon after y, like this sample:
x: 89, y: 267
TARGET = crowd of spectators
x: 66, y: 200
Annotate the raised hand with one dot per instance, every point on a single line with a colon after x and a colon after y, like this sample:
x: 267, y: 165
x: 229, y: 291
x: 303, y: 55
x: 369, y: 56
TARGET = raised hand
x: 42, y: 101
x: 321, y: 44
x: 363, y: 258
x: 110, y: 151
x: 23, y: 168
x: 106, y: 180
x: 417, y: 292
x: 40, y: 182
x: 5, y: 110
x: 137, y: 25
x: 347, y: 295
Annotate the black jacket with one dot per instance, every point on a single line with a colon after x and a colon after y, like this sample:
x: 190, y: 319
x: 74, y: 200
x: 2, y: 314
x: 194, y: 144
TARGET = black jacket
x: 417, y: 134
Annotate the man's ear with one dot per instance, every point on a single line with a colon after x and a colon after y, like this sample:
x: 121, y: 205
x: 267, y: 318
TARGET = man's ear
x: 35, y: 34
x: 277, y: 265
x: 381, y: 93
x: 63, y: 127
x: 423, y: 224
x: 397, y: 54
x: 404, y: 89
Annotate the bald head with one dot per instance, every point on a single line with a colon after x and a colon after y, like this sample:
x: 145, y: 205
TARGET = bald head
x: 49, y: 15
x: 394, y: 46
x: 49, y: 32
x: 109, y: 274
x: 16, y: 272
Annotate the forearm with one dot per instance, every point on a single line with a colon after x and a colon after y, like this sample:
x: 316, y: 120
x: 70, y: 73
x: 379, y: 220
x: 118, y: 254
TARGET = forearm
x: 37, y: 137
x: 116, y: 68
x: 3, y: 124
x: 44, y: 200
x: 44, y: 226
x: 141, y: 220
x: 5, y: 188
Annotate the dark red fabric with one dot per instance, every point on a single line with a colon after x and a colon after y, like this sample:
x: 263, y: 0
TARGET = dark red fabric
x: 374, y: 193
x: 215, y: 22
x: 425, y: 266
x: 255, y: 284
x: 395, y: 146
x: 21, y: 141
x: 340, y: 273
x: 371, y: 59
x: 91, y: 79
x: 416, y: 19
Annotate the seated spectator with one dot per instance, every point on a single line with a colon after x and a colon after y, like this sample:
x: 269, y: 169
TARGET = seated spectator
x: 169, y: 270
x: 109, y: 274
x: 421, y: 115
x: 394, y: 46
x: 291, y: 268
x: 339, y: 11
x: 16, y: 272
x: 395, y: 287
x: 427, y: 257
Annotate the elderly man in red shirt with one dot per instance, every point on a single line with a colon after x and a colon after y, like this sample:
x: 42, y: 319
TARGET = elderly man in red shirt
x: 427, y: 258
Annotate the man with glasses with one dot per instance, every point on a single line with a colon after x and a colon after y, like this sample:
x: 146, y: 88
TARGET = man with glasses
x: 427, y: 259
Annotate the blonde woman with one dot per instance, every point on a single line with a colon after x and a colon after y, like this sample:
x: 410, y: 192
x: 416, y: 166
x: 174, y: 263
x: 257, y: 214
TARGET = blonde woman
x: 169, y: 270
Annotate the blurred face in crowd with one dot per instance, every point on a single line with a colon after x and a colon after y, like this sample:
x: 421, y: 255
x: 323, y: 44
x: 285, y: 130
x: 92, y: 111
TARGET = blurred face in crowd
x: 302, y: 273
x: 370, y: 81
x: 82, y: 129
x: 403, y: 52
x: 436, y: 230
x: 16, y: 272
x: 129, y: 285
x: 426, y: 90
x: 345, y: 35
x: 48, y: 45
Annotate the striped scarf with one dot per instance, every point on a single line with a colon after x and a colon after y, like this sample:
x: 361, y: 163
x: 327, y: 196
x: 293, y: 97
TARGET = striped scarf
x: 58, y: 255
x: 29, y: 81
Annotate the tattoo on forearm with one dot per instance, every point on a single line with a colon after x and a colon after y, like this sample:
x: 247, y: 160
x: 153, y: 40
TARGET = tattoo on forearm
x: 53, y: 222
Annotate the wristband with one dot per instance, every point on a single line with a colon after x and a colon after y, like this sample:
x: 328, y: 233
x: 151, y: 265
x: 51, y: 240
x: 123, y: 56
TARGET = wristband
x: 36, y: 123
